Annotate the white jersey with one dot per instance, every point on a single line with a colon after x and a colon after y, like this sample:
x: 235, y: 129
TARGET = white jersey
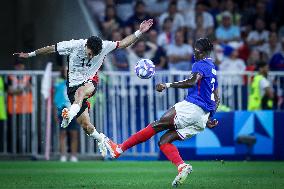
x: 80, y: 68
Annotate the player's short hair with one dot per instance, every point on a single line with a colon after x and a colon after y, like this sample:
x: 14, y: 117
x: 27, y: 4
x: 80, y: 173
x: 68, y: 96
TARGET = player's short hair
x: 95, y: 44
x: 261, y: 64
x: 204, y: 45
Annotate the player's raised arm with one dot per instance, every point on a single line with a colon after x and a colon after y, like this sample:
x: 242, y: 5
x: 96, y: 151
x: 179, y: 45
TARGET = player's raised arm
x: 129, y: 40
x: 44, y: 50
x: 193, y: 79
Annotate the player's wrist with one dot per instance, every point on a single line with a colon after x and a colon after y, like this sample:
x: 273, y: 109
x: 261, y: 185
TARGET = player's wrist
x: 168, y: 85
x: 31, y: 54
x: 138, y: 33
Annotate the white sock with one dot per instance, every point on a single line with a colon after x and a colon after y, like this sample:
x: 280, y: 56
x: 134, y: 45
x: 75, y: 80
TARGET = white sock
x: 119, y: 150
x: 96, y: 135
x: 73, y: 111
x: 181, y: 165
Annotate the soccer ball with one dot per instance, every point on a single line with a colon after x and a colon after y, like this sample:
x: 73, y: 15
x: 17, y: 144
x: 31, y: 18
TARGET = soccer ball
x: 145, y: 69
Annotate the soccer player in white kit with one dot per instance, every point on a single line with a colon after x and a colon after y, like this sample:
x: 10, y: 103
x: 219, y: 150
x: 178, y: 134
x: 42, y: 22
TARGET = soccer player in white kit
x: 85, y: 58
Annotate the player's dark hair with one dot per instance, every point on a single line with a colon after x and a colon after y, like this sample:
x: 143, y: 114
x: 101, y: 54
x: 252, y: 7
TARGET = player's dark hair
x: 95, y: 44
x: 138, y: 3
x: 261, y: 64
x: 204, y: 45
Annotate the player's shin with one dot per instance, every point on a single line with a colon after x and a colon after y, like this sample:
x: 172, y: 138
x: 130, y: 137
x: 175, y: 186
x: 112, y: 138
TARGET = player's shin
x: 172, y: 153
x: 73, y: 111
x: 139, y: 137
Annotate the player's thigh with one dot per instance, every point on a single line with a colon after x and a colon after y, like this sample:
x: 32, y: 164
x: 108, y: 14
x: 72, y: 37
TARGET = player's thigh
x: 85, y: 90
x: 169, y: 137
x: 190, y: 119
x: 166, y: 121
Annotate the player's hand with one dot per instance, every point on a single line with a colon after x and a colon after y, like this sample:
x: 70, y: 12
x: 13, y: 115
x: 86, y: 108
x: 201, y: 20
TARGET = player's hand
x: 21, y: 55
x: 146, y: 25
x: 212, y: 123
x: 160, y: 87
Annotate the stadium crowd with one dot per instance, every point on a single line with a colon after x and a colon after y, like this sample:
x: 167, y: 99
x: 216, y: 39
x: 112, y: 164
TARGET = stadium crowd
x: 246, y: 34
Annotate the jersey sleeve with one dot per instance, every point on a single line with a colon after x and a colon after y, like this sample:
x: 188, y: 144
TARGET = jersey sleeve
x: 109, y: 46
x: 66, y: 47
x: 198, y: 68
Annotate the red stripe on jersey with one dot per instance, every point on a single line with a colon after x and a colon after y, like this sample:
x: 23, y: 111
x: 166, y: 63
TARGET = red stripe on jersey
x: 95, y: 78
x: 199, y: 84
x: 89, y: 105
x: 117, y: 44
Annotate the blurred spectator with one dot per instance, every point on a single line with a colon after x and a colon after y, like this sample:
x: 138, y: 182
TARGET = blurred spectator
x: 272, y: 47
x: 119, y: 56
x: 20, y: 106
x: 124, y: 9
x: 214, y: 10
x: 159, y: 58
x: 179, y: 54
x: 19, y: 92
x: 185, y: 6
x: 139, y: 15
x: 138, y: 51
x: 97, y: 8
x: 3, y: 110
x: 259, y: 36
x: 111, y: 22
x: 226, y: 31
x: 277, y: 61
x: 178, y: 20
x: 231, y: 7
x: 260, y: 12
x: 166, y: 36
x: 61, y: 101
x: 207, y: 19
x: 156, y: 7
x: 261, y: 93
x: 199, y: 31
x: 253, y: 58
x: 233, y: 64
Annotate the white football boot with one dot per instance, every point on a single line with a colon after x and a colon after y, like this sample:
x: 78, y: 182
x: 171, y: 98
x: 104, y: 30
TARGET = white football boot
x: 183, y: 170
x: 65, y: 115
x: 102, y: 145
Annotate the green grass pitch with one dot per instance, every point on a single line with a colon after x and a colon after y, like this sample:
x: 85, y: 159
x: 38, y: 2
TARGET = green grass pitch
x: 139, y: 175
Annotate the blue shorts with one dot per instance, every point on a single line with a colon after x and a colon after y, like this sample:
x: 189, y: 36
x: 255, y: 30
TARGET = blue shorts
x: 73, y: 124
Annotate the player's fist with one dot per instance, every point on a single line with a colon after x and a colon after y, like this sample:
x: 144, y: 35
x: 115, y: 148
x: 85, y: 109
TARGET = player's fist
x: 212, y: 123
x: 146, y: 25
x: 21, y: 55
x: 160, y: 87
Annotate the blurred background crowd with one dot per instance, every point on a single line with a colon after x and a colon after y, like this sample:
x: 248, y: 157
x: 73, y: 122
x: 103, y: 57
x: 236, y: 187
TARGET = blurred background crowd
x: 244, y: 32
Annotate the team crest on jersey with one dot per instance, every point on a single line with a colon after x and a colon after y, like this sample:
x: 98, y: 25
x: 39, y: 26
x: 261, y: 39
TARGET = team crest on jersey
x: 214, y: 71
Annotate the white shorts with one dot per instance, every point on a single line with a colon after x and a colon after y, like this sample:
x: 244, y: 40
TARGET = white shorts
x: 190, y: 119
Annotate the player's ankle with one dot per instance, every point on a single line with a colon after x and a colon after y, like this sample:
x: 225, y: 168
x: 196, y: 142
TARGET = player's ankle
x: 180, y: 165
x: 119, y: 149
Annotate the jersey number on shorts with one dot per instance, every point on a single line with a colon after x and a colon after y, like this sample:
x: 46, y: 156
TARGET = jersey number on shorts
x: 213, y: 83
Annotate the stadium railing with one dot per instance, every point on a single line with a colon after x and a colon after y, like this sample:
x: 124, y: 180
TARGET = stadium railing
x: 123, y: 105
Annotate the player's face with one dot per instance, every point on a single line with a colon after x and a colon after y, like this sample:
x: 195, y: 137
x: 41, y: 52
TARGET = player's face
x: 89, y: 53
x: 197, y: 54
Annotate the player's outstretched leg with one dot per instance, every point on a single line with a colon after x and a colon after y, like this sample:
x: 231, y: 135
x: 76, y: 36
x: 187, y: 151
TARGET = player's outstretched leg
x: 172, y: 153
x: 80, y: 94
x: 166, y: 122
x: 84, y: 121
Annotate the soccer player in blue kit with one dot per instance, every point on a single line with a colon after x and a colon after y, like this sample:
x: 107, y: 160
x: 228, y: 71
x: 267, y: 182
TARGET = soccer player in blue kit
x: 185, y: 119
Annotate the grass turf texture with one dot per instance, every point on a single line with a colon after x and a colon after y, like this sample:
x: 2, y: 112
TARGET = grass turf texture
x: 139, y: 175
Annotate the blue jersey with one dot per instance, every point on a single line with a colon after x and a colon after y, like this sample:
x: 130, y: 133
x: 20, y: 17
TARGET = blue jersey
x: 202, y: 93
